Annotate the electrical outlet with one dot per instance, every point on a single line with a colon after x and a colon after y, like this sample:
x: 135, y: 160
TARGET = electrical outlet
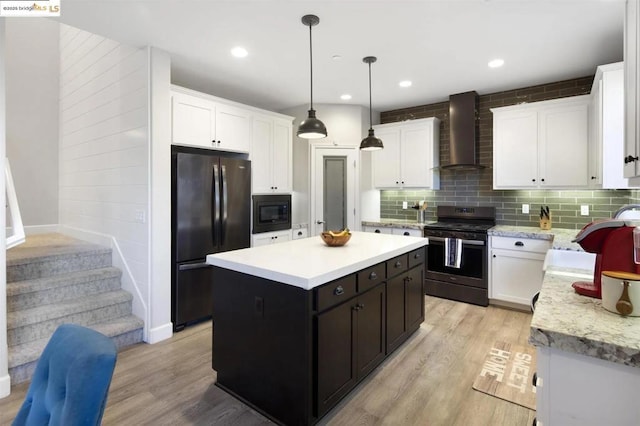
x: 584, y: 210
x: 139, y: 216
x: 404, y: 205
x: 525, y: 209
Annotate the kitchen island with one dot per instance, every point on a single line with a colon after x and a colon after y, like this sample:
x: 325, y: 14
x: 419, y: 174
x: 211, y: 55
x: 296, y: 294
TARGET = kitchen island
x: 588, y: 359
x: 297, y: 325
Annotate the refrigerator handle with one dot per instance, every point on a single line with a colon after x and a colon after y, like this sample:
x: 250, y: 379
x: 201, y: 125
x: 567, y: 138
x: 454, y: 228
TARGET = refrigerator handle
x: 215, y: 217
x: 223, y: 228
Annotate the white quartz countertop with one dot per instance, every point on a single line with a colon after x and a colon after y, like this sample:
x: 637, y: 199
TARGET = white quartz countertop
x: 394, y: 223
x: 573, y: 323
x: 560, y: 238
x: 308, y: 262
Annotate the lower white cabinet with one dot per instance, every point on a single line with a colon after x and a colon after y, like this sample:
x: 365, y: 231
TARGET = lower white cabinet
x: 394, y: 231
x: 581, y: 390
x: 267, y: 238
x: 516, y: 268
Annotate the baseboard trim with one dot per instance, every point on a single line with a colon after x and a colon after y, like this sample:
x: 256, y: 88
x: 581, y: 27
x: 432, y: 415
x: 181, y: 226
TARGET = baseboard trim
x: 5, y: 386
x: 159, y: 334
x: 41, y: 229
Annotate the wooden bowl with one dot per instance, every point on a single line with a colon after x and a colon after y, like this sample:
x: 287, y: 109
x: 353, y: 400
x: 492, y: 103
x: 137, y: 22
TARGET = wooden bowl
x: 335, y: 241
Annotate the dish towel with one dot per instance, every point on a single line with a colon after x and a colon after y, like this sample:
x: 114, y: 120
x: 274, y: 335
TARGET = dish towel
x: 452, y: 252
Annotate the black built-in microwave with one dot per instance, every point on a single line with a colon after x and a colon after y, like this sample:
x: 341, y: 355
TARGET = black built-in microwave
x: 271, y: 213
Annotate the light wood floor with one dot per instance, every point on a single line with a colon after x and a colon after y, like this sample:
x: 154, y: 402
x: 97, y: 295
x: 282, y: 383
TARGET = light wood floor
x: 426, y: 382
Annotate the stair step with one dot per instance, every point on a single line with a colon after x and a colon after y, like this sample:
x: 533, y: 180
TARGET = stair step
x: 124, y: 331
x: 54, y: 254
x: 58, y: 288
x: 40, y: 322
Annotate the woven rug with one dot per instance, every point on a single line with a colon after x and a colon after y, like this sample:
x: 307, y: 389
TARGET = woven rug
x: 507, y: 373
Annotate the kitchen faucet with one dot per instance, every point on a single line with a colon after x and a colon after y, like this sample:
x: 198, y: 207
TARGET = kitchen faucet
x: 624, y: 209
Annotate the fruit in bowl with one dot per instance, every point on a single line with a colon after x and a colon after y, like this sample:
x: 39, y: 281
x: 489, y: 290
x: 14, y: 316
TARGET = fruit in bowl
x: 336, y: 238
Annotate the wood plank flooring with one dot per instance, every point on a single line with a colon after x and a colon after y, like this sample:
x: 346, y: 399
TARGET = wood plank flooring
x: 426, y: 382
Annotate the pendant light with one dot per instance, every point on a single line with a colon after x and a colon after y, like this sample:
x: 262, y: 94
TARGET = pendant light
x: 311, y: 128
x: 370, y: 143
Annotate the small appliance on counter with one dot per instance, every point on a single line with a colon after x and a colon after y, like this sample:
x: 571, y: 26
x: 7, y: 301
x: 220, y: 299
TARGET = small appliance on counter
x: 612, y: 242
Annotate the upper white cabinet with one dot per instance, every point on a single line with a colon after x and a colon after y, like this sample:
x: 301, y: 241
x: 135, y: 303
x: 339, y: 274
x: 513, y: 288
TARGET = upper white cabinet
x: 607, y: 125
x: 542, y: 144
x: 410, y: 156
x: 204, y: 122
x: 271, y: 155
x: 632, y: 91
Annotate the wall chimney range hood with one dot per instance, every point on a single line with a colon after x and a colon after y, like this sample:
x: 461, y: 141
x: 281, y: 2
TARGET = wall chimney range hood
x: 463, y: 131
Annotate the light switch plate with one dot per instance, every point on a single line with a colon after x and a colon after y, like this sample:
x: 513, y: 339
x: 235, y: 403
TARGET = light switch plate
x: 404, y: 205
x: 525, y: 209
x: 584, y: 210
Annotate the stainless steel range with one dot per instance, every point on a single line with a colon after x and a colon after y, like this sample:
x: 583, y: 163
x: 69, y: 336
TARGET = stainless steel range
x: 457, y: 256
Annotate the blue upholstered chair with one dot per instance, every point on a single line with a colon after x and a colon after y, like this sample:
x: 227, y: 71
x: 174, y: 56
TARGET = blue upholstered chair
x: 71, y: 381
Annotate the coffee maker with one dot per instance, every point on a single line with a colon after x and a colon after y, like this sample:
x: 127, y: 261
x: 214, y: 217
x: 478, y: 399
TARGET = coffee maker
x: 612, y: 242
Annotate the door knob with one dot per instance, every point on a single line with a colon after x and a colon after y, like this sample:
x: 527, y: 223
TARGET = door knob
x: 319, y: 222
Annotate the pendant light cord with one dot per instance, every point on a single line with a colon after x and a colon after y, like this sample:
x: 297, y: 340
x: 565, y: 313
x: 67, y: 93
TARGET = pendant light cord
x: 311, y: 63
x: 370, y: 111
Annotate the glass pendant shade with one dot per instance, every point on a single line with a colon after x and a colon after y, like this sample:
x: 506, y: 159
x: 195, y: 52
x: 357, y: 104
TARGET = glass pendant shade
x: 370, y: 143
x: 312, y: 128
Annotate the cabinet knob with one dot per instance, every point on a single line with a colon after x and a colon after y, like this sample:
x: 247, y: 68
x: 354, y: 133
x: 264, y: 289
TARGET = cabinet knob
x: 630, y: 159
x: 403, y: 182
x: 339, y: 291
x: 533, y: 180
x: 534, y: 381
x: 417, y: 256
x: 593, y: 178
x: 397, y: 182
x: 519, y: 243
x: 398, y: 264
x: 377, y: 231
x: 275, y: 187
x: 373, y: 276
x: 361, y: 305
x: 406, y: 233
x: 213, y: 142
x: 542, y: 180
x: 494, y: 255
x: 535, y: 422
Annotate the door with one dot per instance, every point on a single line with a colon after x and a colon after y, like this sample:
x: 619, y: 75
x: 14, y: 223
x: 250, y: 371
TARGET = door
x: 194, y: 199
x: 370, y: 330
x: 387, y: 162
x: 414, y: 297
x: 515, y: 152
x: 233, y: 128
x: 193, y: 121
x: 334, y: 188
x: 192, y: 299
x: 415, y: 154
x: 395, y: 311
x: 235, y: 204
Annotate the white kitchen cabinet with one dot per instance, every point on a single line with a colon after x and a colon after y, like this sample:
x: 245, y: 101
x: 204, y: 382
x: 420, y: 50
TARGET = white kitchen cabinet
x: 607, y: 124
x: 516, y: 269
x: 411, y: 155
x: 394, y: 231
x: 267, y: 238
x: 542, y: 144
x: 203, y: 122
x: 271, y: 155
x: 632, y: 91
x: 581, y: 390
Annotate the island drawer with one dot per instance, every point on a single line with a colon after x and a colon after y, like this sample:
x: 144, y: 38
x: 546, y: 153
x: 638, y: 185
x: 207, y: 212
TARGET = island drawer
x: 416, y: 257
x: 397, y: 265
x: 335, y: 292
x: 370, y: 277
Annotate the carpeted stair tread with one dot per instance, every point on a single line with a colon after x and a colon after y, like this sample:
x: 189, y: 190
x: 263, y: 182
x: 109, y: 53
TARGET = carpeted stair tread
x: 57, y: 310
x: 50, y: 245
x: 62, y: 280
x: 30, y: 351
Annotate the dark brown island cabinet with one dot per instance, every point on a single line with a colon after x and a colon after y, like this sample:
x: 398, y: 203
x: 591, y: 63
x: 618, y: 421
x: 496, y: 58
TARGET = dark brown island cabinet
x: 293, y: 353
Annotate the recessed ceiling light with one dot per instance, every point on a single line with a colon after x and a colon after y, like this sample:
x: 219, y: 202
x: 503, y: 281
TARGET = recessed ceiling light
x: 405, y: 83
x: 239, y: 52
x: 496, y: 63
x: 345, y: 97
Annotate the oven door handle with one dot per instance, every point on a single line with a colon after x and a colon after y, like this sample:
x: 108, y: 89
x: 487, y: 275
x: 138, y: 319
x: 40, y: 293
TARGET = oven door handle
x: 467, y: 242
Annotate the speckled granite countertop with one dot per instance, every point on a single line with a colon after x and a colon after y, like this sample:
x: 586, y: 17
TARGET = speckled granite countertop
x: 570, y: 322
x: 561, y: 238
x: 394, y: 223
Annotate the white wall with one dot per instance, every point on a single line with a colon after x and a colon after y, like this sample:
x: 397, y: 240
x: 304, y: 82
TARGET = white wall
x: 346, y: 125
x: 104, y: 149
x: 5, y: 381
x: 32, y: 90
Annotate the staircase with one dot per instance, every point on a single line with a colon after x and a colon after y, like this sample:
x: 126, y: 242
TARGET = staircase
x: 54, y: 279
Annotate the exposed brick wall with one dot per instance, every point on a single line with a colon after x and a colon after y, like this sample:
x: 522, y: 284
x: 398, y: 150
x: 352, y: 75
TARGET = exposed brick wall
x: 475, y: 187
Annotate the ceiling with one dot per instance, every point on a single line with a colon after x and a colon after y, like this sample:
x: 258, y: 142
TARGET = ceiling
x: 442, y: 46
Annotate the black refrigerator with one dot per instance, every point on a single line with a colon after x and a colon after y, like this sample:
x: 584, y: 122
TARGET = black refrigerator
x: 210, y: 213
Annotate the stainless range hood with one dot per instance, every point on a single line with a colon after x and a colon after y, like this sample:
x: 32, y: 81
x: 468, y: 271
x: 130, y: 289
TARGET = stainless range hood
x: 463, y: 131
